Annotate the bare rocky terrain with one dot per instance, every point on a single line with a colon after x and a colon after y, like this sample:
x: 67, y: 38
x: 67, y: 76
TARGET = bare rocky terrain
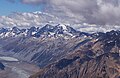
x: 98, y: 58
x: 60, y: 52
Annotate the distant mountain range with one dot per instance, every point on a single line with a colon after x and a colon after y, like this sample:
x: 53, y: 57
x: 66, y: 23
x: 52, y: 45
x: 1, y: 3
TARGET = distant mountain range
x: 59, y: 30
x: 63, y: 52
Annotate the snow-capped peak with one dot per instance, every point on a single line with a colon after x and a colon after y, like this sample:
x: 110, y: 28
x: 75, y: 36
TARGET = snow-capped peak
x: 37, y: 12
x: 63, y: 26
x: 60, y: 30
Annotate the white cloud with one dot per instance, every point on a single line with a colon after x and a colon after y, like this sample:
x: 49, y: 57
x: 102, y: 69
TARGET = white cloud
x: 90, y: 11
x: 104, y: 13
x: 27, y: 19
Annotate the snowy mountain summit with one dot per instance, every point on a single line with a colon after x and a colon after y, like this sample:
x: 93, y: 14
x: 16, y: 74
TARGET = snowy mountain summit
x: 48, y: 30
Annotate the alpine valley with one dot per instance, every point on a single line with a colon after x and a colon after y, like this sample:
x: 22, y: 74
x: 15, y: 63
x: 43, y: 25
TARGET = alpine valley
x: 58, y: 51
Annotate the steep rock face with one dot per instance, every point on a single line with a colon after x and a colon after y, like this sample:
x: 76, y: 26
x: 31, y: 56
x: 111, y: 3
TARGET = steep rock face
x: 98, y: 58
x: 82, y: 66
x: 40, y: 51
x: 107, y: 42
x: 2, y: 67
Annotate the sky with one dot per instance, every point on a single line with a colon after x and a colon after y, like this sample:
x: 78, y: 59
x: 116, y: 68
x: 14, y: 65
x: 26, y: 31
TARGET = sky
x: 99, y: 12
x: 10, y: 6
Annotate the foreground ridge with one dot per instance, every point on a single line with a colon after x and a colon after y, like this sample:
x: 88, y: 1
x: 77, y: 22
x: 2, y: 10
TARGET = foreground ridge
x: 98, y: 58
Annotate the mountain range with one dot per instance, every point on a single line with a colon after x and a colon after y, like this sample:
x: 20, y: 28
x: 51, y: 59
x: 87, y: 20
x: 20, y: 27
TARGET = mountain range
x: 63, y: 52
x: 33, y: 43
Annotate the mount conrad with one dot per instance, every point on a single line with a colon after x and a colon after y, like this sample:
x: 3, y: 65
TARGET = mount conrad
x: 63, y: 52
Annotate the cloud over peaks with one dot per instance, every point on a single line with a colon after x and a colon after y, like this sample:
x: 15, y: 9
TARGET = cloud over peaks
x: 100, y: 12
x: 89, y: 11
